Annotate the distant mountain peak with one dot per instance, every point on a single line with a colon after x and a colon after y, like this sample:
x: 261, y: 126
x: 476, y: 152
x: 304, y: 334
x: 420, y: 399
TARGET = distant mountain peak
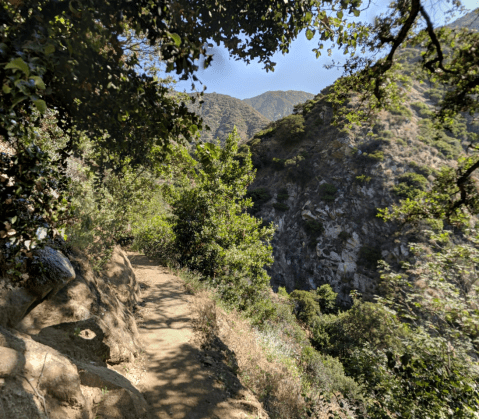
x: 277, y: 104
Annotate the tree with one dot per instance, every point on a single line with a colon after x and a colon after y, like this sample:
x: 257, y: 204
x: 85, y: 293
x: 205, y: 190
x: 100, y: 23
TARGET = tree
x: 449, y: 59
x: 78, y: 63
x: 213, y: 233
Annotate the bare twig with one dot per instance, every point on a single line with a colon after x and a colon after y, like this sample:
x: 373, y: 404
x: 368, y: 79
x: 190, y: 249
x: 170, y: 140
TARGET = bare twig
x: 37, y: 393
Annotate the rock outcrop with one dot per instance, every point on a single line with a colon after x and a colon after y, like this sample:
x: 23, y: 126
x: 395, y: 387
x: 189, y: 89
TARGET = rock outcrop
x: 327, y: 184
x: 55, y: 362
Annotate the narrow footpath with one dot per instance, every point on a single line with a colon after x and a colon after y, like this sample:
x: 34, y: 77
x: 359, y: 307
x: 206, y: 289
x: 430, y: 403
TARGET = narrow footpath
x: 177, y: 383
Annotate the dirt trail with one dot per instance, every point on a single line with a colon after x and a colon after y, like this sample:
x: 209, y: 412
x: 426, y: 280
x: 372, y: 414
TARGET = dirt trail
x: 180, y: 381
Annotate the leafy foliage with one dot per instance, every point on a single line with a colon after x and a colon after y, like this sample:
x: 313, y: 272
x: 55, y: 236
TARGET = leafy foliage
x: 290, y: 129
x: 259, y: 196
x: 213, y: 234
x: 35, y: 205
x: 369, y: 256
x: 327, y: 192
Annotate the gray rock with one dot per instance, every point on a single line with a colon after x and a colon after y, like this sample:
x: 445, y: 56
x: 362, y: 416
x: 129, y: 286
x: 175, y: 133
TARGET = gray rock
x: 58, y: 267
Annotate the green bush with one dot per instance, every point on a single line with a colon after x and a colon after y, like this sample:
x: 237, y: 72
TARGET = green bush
x: 259, y: 196
x: 35, y: 206
x: 401, y: 110
x: 327, y: 192
x: 280, y: 206
x: 414, y: 179
x: 422, y: 109
x: 282, y: 291
x: 363, y: 178
x: 313, y: 228
x: 155, y: 237
x: 212, y: 232
x: 327, y: 373
x: 327, y: 299
x: 435, y: 95
x: 290, y: 129
x: 278, y: 164
x: 302, y: 173
x: 374, y: 156
x: 410, y: 184
x: 306, y: 307
x: 283, y: 195
x: 369, y: 256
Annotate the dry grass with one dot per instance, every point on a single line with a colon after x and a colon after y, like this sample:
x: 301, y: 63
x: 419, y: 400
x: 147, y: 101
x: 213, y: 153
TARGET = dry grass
x: 265, y: 364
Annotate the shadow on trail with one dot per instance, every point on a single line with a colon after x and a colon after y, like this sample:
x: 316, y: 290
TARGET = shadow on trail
x: 183, y: 380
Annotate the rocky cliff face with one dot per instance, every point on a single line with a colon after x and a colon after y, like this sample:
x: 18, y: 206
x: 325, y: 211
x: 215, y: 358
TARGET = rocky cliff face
x: 322, y: 186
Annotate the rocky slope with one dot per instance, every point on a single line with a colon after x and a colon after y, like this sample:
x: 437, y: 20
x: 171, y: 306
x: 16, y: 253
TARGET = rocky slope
x: 278, y: 104
x: 57, y: 348
x: 222, y: 112
x: 322, y: 186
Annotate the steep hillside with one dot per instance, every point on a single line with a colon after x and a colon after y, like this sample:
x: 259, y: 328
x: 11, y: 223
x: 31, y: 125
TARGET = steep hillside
x: 278, y: 104
x: 322, y: 186
x: 221, y: 113
x: 471, y: 21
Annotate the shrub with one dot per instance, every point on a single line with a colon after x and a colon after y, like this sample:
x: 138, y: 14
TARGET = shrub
x: 344, y: 235
x: 302, y: 173
x: 328, y: 374
x: 283, y: 195
x: 282, y: 291
x: 401, y: 110
x: 410, y: 184
x: 363, y: 178
x: 414, y: 179
x: 290, y: 129
x: 156, y: 238
x: 327, y: 192
x: 212, y: 232
x: 369, y: 256
x: 280, y: 206
x: 375, y: 156
x: 327, y: 299
x: 313, y: 228
x: 35, y: 205
x: 259, y: 196
x: 278, y: 164
x: 306, y: 307
x: 422, y: 109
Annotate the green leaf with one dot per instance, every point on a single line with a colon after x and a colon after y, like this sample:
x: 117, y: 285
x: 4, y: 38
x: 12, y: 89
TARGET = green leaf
x: 19, y: 64
x: 6, y: 89
x: 41, y: 105
x: 309, y: 34
x: 356, y: 12
x: 49, y: 49
x: 176, y: 38
x: 340, y: 14
x: 38, y: 82
x: 193, y: 129
x: 18, y: 100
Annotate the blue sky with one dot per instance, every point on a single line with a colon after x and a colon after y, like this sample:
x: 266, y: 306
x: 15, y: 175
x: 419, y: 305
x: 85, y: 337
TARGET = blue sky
x: 298, y: 70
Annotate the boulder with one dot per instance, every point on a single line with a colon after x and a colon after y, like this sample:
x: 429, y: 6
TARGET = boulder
x: 307, y: 215
x: 101, y: 305
x: 36, y: 378
x: 17, y: 302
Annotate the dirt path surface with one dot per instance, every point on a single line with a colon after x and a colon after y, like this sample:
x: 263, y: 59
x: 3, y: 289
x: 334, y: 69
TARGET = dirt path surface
x: 181, y: 380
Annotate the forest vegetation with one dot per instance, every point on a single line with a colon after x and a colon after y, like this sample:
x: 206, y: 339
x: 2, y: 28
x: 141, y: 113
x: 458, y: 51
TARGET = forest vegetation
x: 102, y: 153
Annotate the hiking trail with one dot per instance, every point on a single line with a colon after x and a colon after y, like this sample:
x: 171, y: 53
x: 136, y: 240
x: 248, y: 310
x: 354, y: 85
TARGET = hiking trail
x: 180, y: 381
